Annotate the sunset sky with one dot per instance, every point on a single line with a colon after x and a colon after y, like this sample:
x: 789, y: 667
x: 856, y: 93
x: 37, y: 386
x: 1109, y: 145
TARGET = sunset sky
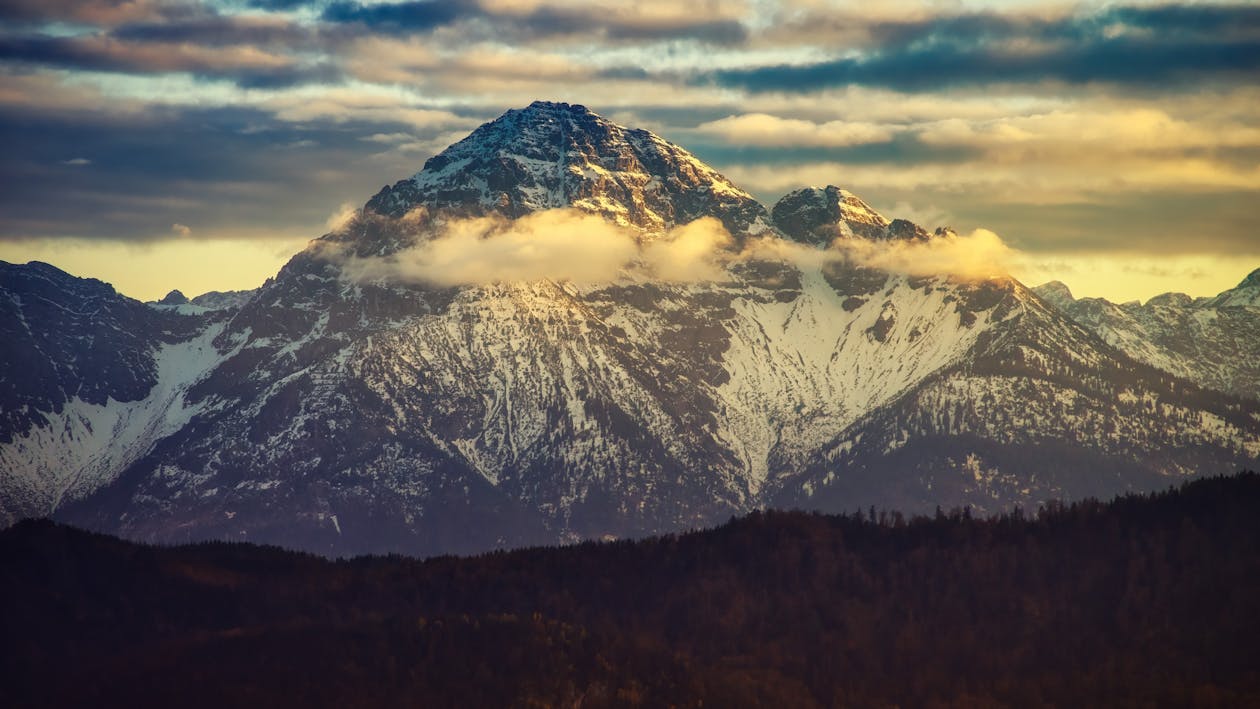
x: 162, y: 144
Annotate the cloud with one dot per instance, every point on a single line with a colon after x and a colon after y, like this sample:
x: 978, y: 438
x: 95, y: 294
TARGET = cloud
x: 557, y: 244
x: 575, y: 246
x: 347, y: 105
x: 77, y: 162
x: 99, y: 12
x: 170, y: 165
x: 1069, y: 132
x: 45, y: 91
x: 1140, y: 62
x: 220, y: 30
x: 768, y: 130
x: 341, y: 218
x: 282, y: 5
x: 524, y: 21
x: 181, y: 229
x: 247, y: 65
x: 693, y: 252
x: 980, y: 254
x: 402, y: 16
x: 1137, y: 46
x: 563, y: 245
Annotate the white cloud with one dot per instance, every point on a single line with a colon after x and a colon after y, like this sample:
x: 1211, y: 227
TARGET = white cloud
x: 340, y: 218
x: 765, y: 129
x: 556, y: 244
x: 980, y: 254
x: 692, y: 252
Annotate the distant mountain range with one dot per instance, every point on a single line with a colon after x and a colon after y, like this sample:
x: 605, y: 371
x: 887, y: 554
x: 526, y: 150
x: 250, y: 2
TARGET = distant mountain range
x: 341, y: 409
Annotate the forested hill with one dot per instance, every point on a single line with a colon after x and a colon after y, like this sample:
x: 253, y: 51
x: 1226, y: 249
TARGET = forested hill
x: 1140, y: 601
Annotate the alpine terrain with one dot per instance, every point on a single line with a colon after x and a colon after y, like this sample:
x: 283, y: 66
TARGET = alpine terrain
x: 343, y: 408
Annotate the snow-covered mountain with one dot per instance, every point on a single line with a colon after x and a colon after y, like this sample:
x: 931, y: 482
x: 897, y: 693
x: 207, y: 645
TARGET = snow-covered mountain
x: 551, y: 155
x: 345, y: 414
x: 1213, y: 342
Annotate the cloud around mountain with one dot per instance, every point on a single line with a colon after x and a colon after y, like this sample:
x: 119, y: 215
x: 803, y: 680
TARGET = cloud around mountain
x: 570, y: 245
x: 557, y: 244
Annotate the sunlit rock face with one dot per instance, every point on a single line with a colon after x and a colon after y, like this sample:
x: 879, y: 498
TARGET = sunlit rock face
x: 344, y: 414
x: 815, y: 215
x: 551, y: 155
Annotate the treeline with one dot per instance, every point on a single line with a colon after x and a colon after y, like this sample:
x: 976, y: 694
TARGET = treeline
x: 1141, y: 601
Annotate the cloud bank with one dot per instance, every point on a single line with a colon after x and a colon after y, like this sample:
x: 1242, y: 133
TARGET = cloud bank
x: 569, y: 245
x: 557, y: 244
x: 980, y: 254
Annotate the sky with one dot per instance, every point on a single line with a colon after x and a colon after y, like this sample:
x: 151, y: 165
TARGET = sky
x: 160, y: 144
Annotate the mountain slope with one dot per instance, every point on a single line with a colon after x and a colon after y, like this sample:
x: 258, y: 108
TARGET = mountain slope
x: 89, y: 379
x: 1039, y: 409
x: 1214, y: 342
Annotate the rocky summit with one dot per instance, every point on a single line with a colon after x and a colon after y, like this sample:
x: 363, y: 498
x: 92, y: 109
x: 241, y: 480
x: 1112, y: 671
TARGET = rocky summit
x: 345, y: 415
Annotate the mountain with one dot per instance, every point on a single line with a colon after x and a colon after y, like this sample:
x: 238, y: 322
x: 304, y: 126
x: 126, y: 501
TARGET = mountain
x: 344, y: 414
x: 551, y: 155
x: 1213, y: 342
x: 90, y: 380
x: 819, y: 216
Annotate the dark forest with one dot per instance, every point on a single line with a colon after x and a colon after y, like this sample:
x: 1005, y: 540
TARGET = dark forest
x: 1141, y: 601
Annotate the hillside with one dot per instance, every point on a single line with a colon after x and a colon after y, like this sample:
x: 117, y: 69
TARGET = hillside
x: 1146, y: 600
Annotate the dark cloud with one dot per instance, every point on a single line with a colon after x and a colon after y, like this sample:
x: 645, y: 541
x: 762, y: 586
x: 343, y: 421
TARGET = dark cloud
x: 901, y: 149
x: 1144, y: 46
x: 1218, y: 20
x: 218, y: 30
x: 622, y: 73
x: 96, y: 12
x: 1221, y: 22
x: 1142, y: 62
x: 403, y: 16
x: 712, y: 32
x: 226, y: 170
x: 281, y: 5
x: 104, y: 53
x: 544, y: 21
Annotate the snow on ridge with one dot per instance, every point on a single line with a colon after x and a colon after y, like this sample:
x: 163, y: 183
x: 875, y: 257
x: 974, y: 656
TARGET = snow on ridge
x: 85, y: 446
x: 800, y: 371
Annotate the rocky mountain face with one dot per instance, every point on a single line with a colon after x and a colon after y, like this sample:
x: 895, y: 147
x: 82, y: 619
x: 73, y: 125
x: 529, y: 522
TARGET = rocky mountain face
x: 551, y: 155
x: 348, y: 415
x: 1213, y: 342
x: 819, y: 216
x: 81, y: 383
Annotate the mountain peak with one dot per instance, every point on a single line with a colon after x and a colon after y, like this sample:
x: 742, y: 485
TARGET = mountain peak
x: 818, y: 215
x: 1246, y: 293
x: 551, y: 155
x: 557, y: 106
x: 1170, y: 300
x: 1055, y: 293
x: 175, y: 297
